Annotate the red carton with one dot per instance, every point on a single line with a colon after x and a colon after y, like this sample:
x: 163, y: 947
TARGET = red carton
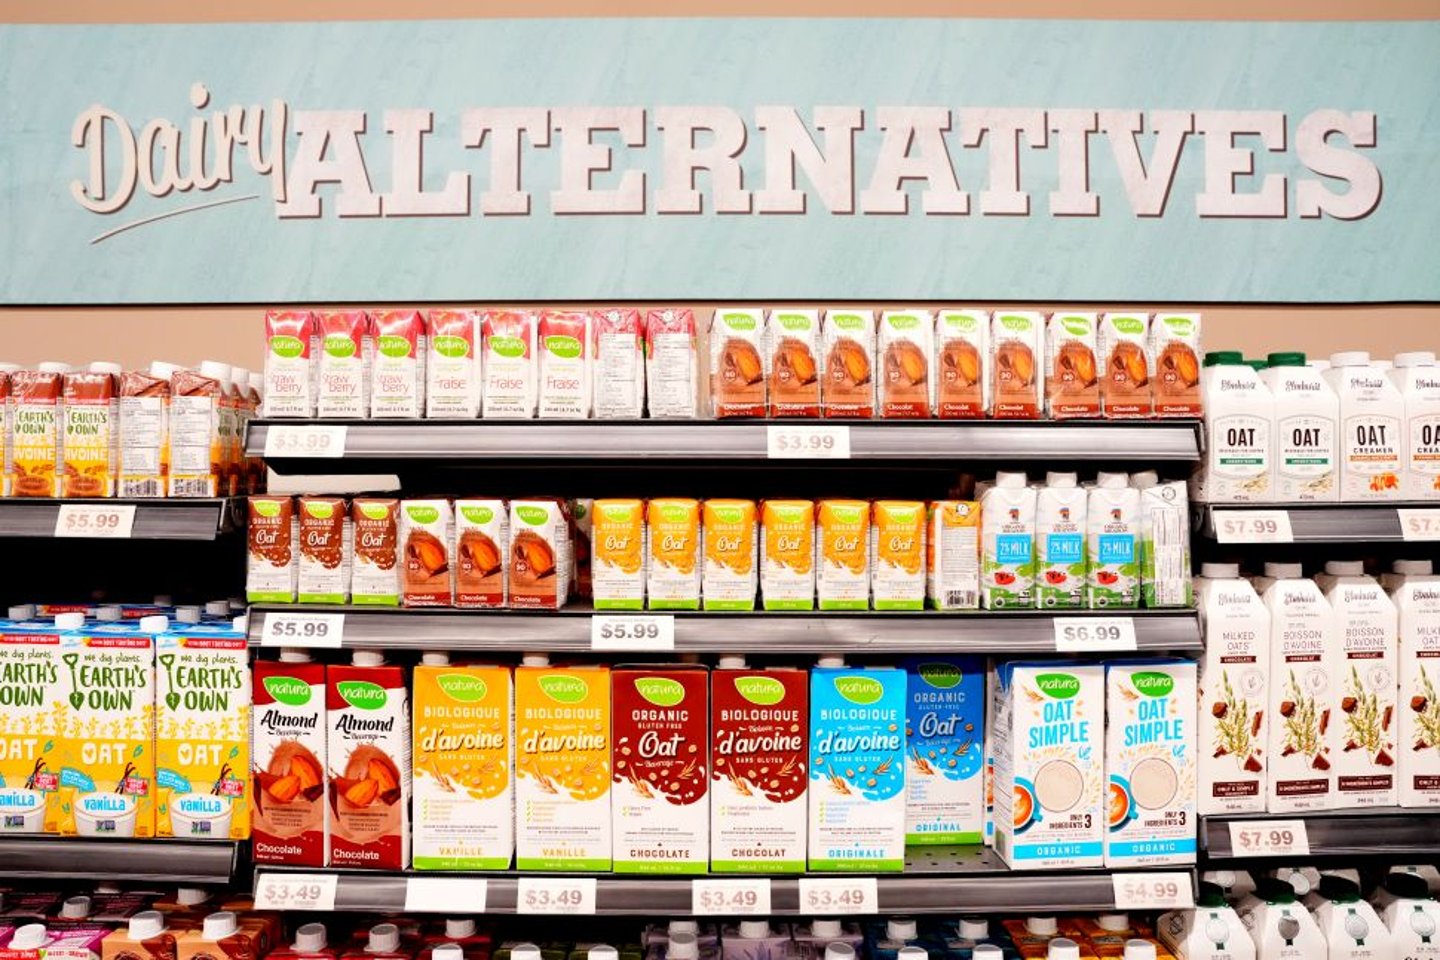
x: 291, y: 822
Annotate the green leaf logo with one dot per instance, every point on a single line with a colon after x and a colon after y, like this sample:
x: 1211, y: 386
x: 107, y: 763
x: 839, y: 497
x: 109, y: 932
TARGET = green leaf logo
x: 532, y: 515
x: 1058, y: 686
x: 511, y: 347
x: 1135, y: 326
x: 903, y: 321
x: 1153, y: 683
x: 1016, y: 324
x: 339, y: 345
x: 291, y: 691
x: 393, y: 346
x: 761, y: 691
x: 362, y: 694
x: 727, y: 513
x: 320, y: 509
x: 674, y: 513
x: 860, y: 690
x: 941, y: 676
x: 661, y: 691
x: 286, y: 346
x: 477, y: 514
x: 374, y: 511
x: 1076, y: 326
x: 846, y: 321
x: 450, y: 346
x: 1178, y: 326
x: 787, y: 513
x: 265, y: 508
x: 794, y: 321
x: 462, y: 687
x: 961, y: 322
x: 564, y: 687
x: 172, y: 700
x: 421, y: 513
x: 566, y: 348
x: 739, y: 321
x: 847, y: 514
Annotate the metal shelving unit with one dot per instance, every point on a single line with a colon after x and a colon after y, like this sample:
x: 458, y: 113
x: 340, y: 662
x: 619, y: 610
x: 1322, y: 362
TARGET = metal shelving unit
x: 151, y: 861
x: 160, y: 519
x: 1331, y: 522
x: 1387, y: 832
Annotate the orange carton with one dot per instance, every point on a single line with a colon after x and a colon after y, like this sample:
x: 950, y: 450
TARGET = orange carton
x: 618, y: 554
x: 482, y: 537
x: 907, y: 340
x: 952, y: 555
x: 730, y: 546
x: 962, y: 352
x: 1072, y: 372
x: 1018, y: 371
x: 897, y: 542
x: 1125, y: 386
x: 787, y: 562
x: 792, y: 346
x: 843, y: 578
x: 849, y: 341
x: 540, y: 562
x: 674, y: 557
x: 737, y: 363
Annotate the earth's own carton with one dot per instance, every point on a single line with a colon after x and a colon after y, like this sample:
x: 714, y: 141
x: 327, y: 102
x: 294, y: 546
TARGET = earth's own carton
x: 1416, y: 592
x: 1418, y: 378
x: 792, y: 359
x: 1150, y: 759
x: 962, y: 352
x: 674, y: 570
x: 660, y: 800
x: 30, y: 728
x: 737, y: 363
x: 292, y: 817
x: 1112, y: 522
x: 272, y: 533
x: 144, y: 409
x: 1048, y: 727
x: 292, y: 358
x: 842, y: 581
x: 619, y: 364
x: 36, y: 463
x: 375, y: 574
x: 1240, y: 417
x: 1071, y: 370
x: 1126, y: 390
x: 672, y: 365
x: 897, y: 546
x: 347, y: 353
x: 618, y: 554
x: 540, y: 564
x: 1307, y: 430
x: 857, y: 769
x: 83, y: 941
x: 397, y: 385
x: 1175, y: 351
x: 1165, y: 579
x: 427, y: 542
x: 464, y: 762
x: 202, y: 734
x: 368, y: 710
x: 849, y: 346
x: 562, y: 768
x: 906, y: 352
x: 1007, y: 553
x: 482, y: 540
x: 759, y: 754
x: 326, y: 543
x: 1017, y: 373
x: 198, y: 444
x: 1233, y: 692
x: 952, y: 554
x: 1060, y: 535
x: 731, y: 535
x: 510, y: 364
x: 566, y: 348
x: 90, y: 416
x: 944, y: 728
x: 452, y: 370
x: 787, y: 561
x: 1372, y: 438
x: 7, y: 430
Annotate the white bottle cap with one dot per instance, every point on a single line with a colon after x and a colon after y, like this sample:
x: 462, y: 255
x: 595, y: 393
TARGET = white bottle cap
x: 384, y: 938
x: 535, y: 660
x: 987, y: 951
x: 1350, y: 358
x: 190, y: 896
x: 1112, y: 481
x: 1042, y: 926
x: 1113, y: 921
x: 10, y: 367
x: 973, y: 928
x: 75, y: 908
x: 435, y: 658
x: 53, y: 366
x: 107, y: 887
x: 29, y: 937
x: 158, y: 623
x: 217, y: 608
x: 106, y: 366
x: 839, y: 950
x: 1345, y: 568
x: 683, y: 926
x: 188, y: 614
x: 219, y: 925
x: 828, y: 927
x: 1063, y: 948
x: 1413, y: 568
x: 69, y: 621
x: 1139, y: 950
x: 603, y: 951
x: 1220, y: 571
x: 161, y: 370
x: 215, y: 370
x: 241, y: 624
x: 22, y: 611
x: 109, y: 614
x: 912, y: 952
x: 447, y: 951
x: 310, y: 938
x: 1010, y: 480
x: 1057, y: 479
x: 754, y: 929
x: 458, y: 928
x: 830, y: 660
x: 1415, y: 358
x: 1144, y: 479
x: 732, y: 661
x: 1283, y: 571
x: 368, y: 658
x: 524, y: 951
x: 257, y: 381
x: 683, y: 946
x: 145, y: 925
x: 294, y: 655
x: 901, y: 928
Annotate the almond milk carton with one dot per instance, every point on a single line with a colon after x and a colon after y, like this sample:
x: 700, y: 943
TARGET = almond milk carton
x: 619, y: 364
x: 952, y: 555
x: 1372, y: 418
x: 672, y: 365
x: 292, y: 358
x: 540, y: 554
x: 787, y: 559
x: 1071, y: 369
x: 1125, y: 388
x: 1233, y: 692
x: 674, y: 568
x: 738, y: 372
x: 289, y: 738
x: 906, y: 352
x: 452, y: 369
x: 347, y: 356
x: 618, y: 553
x: 1418, y: 378
x: 566, y: 350
x: 397, y: 383
x: 1017, y: 343
x: 368, y: 708
x: 1175, y: 349
x: 482, y: 542
x: 510, y: 363
x: 731, y: 535
x: 1416, y: 592
x: 848, y: 388
x: 427, y: 545
x: 792, y: 351
x: 962, y: 351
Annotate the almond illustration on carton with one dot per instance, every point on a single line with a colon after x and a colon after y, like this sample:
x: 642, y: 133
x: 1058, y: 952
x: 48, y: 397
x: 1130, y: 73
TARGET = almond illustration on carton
x: 532, y: 557
x: 427, y: 553
x: 904, y: 363
x: 849, y: 364
x: 1128, y: 364
x: 1180, y: 362
x: 741, y: 362
x: 1016, y: 360
x: 960, y: 363
x: 479, y: 553
x: 293, y: 772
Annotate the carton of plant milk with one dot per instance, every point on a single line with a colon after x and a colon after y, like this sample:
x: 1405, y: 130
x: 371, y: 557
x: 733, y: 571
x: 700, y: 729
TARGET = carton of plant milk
x: 962, y: 352
x: 1239, y: 422
x: 1418, y: 378
x: 731, y: 535
x: 1112, y: 525
x: 464, y: 762
x: 787, y: 561
x: 1048, y: 726
x: 660, y: 800
x: 842, y: 580
x: 758, y: 754
x: 1150, y: 759
x: 510, y: 365
x: 202, y: 733
x: 792, y: 359
x: 326, y: 544
x: 619, y: 364
x: 738, y: 374
x: 1060, y: 536
x: 1175, y: 351
x: 566, y: 347
x: 1367, y: 627
x: 397, y: 382
x: 1416, y: 592
x: 562, y: 767
x: 292, y: 359
x: 290, y: 729
x: 1412, y: 916
x: 1351, y: 927
x: 944, y: 728
x: 1211, y: 930
x: 36, y: 460
x: 1280, y: 926
x: 368, y: 709
x: 857, y: 768
x: 453, y: 376
x: 1007, y: 552
x: 1372, y: 435
x: 897, y: 549
x: 375, y: 574
x: 1072, y: 378
x: 672, y: 365
x: 906, y: 351
x: 618, y: 554
x: 30, y: 729
x: 90, y: 418
x: 952, y: 554
x: 849, y: 345
x: 1233, y: 692
x: 427, y: 545
x: 1017, y: 374
x: 482, y: 539
x: 199, y: 459
x: 347, y: 355
x: 1125, y: 383
x: 674, y: 566
x: 540, y: 554
x: 1307, y: 430
x: 144, y: 409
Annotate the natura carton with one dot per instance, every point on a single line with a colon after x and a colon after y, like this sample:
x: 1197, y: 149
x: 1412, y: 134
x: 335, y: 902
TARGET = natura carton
x: 90, y: 428
x: 792, y: 359
x: 1060, y: 539
x: 427, y: 543
x: 347, y: 354
x: 897, y: 549
x: 849, y: 345
x: 673, y: 561
x: 731, y: 535
x: 906, y: 350
x: 1372, y: 437
x: 619, y: 364
x: 540, y: 564
x: 618, y: 554
x: 1175, y: 352
x: 1307, y: 430
x: 566, y: 354
x: 1112, y: 521
x: 292, y: 359
x: 737, y: 363
x: 660, y: 800
x: 368, y: 710
x: 842, y: 580
x: 1418, y: 378
x: 944, y: 727
x: 787, y: 560
x: 1007, y: 553
x: 1416, y: 592
x: 510, y: 364
x: 1126, y: 391
x: 36, y: 462
x: 397, y: 383
x: 453, y: 368
x: 1072, y: 378
x: 1017, y: 373
x: 376, y: 570
x: 290, y: 730
x: 326, y: 544
x: 672, y: 365
x: 962, y: 351
x: 1233, y: 692
x: 952, y: 554
x: 30, y: 729
x: 482, y: 538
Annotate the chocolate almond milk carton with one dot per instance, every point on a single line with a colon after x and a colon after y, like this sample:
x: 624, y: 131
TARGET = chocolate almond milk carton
x: 1017, y: 339
x: 272, y: 534
x: 397, y: 383
x: 962, y: 360
x: 737, y: 363
x: 368, y: 707
x: 376, y: 568
x: 792, y: 350
x: 427, y: 543
x: 848, y: 388
x: 1071, y: 369
x: 291, y: 822
x: 540, y: 553
x: 1126, y: 390
x: 347, y: 355
x: 326, y: 544
x: 292, y: 358
x: 482, y: 541
x: 907, y: 352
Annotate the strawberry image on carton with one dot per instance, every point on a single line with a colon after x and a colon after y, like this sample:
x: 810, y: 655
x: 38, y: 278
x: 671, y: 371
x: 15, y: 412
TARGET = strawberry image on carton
x: 397, y: 387
x: 347, y: 354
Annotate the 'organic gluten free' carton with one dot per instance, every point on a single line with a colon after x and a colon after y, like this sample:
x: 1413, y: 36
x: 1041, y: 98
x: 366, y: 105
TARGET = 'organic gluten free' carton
x: 944, y: 727
x: 952, y: 554
x: 618, y: 554
x: 787, y: 560
x: 731, y: 538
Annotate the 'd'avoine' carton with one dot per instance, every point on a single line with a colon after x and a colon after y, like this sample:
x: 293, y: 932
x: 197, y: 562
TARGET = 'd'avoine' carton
x: 30, y: 727
x: 857, y: 768
x: 944, y: 730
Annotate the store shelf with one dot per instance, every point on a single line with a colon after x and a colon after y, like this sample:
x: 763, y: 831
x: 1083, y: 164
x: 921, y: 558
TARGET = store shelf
x: 1378, y: 832
x: 162, y: 861
x: 569, y: 630
x: 164, y: 519
x: 1325, y: 523
x: 938, y: 880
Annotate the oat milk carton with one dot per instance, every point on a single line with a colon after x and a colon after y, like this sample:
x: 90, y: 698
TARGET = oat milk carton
x: 849, y: 344
x: 1233, y: 692
x: 738, y: 374
x: 897, y: 549
x: 792, y: 353
x: 1017, y: 344
x: 7, y: 430
x: 37, y: 430
x: 30, y: 729
x: 509, y: 361
x: 566, y: 348
x: 292, y: 360
x: 144, y: 410
x: 1048, y: 725
x: 618, y: 553
x: 944, y: 728
x: 1211, y: 930
x: 326, y: 545
x: 962, y: 362
x: 1418, y: 378
x: 1072, y: 377
x: 1416, y: 592
x: 453, y: 373
x: 540, y: 554
x: 1164, y: 541
x: 1150, y: 759
x: 787, y: 562
x: 1239, y: 422
x: 906, y: 351
x: 397, y: 381
x: 952, y: 554
x: 1175, y: 351
x: 619, y: 364
x: 1372, y: 434
x: 1367, y: 626
x: 90, y: 425
x: 842, y: 580
x: 1060, y: 536
x: 857, y: 768
x: 289, y: 739
x: 1125, y: 344
x: 368, y: 708
x: 1112, y: 538
x: 675, y: 549
x: 347, y: 355
x: 1007, y: 553
x: 376, y: 568
x: 1307, y: 430
x: 731, y: 535
x: 672, y: 365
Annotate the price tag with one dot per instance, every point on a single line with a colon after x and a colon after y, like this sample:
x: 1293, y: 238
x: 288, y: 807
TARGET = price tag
x: 1153, y: 891
x: 296, y: 891
x: 303, y: 630
x: 453, y: 895
x: 731, y: 898
x: 639, y: 631
x: 847, y: 895
x: 1088, y: 634
x: 1269, y: 838
x: 1417, y: 524
x: 1253, y: 526
x: 322, y: 440
x: 787, y: 441
x: 109, y: 520
x: 555, y: 895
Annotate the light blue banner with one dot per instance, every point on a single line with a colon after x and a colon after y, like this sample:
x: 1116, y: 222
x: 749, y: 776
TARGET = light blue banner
x: 932, y: 159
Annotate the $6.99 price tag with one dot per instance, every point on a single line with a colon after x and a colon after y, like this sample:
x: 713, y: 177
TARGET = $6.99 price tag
x: 730, y: 898
x: 295, y: 891
x: 1083, y: 634
x: 555, y: 895
x: 831, y: 895
x: 303, y: 630
x: 1253, y: 526
x: 1269, y: 838
x: 1153, y: 891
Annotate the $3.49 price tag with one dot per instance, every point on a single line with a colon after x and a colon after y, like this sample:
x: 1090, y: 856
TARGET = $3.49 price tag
x: 555, y: 895
x: 1253, y: 526
x: 1087, y: 634
x: 640, y: 631
x: 318, y: 440
x: 295, y: 891
x: 831, y: 895
x: 1419, y: 524
x: 1269, y: 838
x: 730, y: 898
x: 784, y: 441
x: 302, y: 630
x: 107, y: 520
x: 1153, y: 891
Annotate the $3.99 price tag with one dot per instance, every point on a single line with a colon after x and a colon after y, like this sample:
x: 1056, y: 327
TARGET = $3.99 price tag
x: 1419, y: 524
x: 1253, y: 526
x: 831, y: 895
x: 1085, y: 634
x: 305, y: 440
x: 107, y: 520
x: 1153, y: 891
x: 632, y: 632
x: 731, y: 898
x: 555, y: 895
x: 785, y: 441
x: 295, y: 891
x: 1269, y: 838
x: 303, y: 630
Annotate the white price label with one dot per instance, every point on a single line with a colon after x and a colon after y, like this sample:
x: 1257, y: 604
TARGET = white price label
x: 731, y: 898
x: 1419, y: 524
x: 1153, y: 891
x: 1088, y: 634
x: 296, y: 891
x: 108, y: 520
x: 1253, y: 526
x: 640, y: 631
x: 453, y: 895
x: 831, y: 895
x: 305, y: 440
x: 555, y: 895
x: 1269, y: 838
x: 302, y: 630
x: 787, y: 441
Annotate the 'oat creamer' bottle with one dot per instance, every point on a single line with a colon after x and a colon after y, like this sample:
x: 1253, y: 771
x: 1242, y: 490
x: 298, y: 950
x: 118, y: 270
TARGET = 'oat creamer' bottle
x: 1419, y: 381
x: 1239, y: 417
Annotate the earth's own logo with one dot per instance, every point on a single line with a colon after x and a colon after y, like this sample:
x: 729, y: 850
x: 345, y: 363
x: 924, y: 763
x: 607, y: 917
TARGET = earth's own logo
x: 564, y: 688
x: 860, y: 690
x: 362, y: 694
x: 1058, y: 686
x: 761, y: 691
x: 661, y: 691
x: 462, y: 687
x: 941, y: 676
x: 1153, y: 684
x: 290, y: 691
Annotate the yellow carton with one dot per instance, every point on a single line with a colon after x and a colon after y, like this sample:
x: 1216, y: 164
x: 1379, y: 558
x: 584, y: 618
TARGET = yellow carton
x: 674, y: 555
x: 730, y: 541
x: 843, y: 578
x: 618, y: 554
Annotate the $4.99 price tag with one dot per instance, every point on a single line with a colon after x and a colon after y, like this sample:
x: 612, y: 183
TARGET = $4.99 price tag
x: 831, y: 895
x: 1419, y: 524
x: 305, y: 440
x: 295, y: 891
x: 1086, y: 634
x: 639, y: 631
x: 785, y: 441
x: 1269, y: 838
x: 1153, y: 891
x: 108, y: 520
x: 731, y: 898
x: 302, y: 630
x: 1253, y: 526
x: 555, y: 895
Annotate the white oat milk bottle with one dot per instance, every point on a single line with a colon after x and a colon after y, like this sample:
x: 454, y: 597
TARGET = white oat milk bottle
x: 1372, y: 414
x: 1239, y: 422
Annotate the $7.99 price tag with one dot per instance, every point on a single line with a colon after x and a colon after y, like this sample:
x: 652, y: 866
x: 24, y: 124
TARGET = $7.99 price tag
x: 1253, y: 526
x: 108, y: 520
x: 555, y: 895
x: 784, y: 441
x: 1419, y: 524
x: 831, y: 895
x: 1269, y: 838
x: 1153, y: 891
x: 295, y: 891
x: 1085, y: 634
x: 303, y: 630
x: 730, y: 898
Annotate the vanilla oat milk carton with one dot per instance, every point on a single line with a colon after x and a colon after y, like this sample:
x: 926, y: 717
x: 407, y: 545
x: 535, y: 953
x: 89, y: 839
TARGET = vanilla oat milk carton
x: 1233, y: 692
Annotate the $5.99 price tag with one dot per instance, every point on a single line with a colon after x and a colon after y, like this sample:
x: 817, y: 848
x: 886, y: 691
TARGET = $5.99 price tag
x: 1253, y: 526
x: 1153, y: 891
x: 295, y: 891
x: 555, y: 895
x: 108, y: 520
x: 632, y: 632
x: 1269, y: 838
x: 303, y: 630
x: 831, y: 895
x: 730, y: 898
x: 803, y: 442
x: 1419, y: 524
x: 305, y: 440
x: 1085, y: 634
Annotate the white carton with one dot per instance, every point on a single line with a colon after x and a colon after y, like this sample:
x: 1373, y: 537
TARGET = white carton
x: 1413, y: 916
x: 1372, y: 412
x: 1239, y: 419
x: 1007, y: 553
x: 1112, y: 534
x: 1352, y: 928
x: 452, y: 368
x: 619, y: 367
x: 1418, y: 378
x: 508, y: 358
x: 1416, y: 592
x: 1060, y: 565
x: 1164, y: 541
x: 1232, y: 692
x: 1307, y: 430
x: 952, y: 555
x: 1281, y: 928
x: 1210, y: 931
x: 565, y: 342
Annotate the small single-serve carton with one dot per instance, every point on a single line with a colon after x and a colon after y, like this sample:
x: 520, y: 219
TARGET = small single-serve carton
x: 464, y: 755
x: 482, y: 537
x: 660, y: 800
x: 347, y: 356
x: 731, y: 535
x: 30, y: 728
x: 202, y: 733
x: 962, y: 351
x: 397, y: 383
x: 1417, y: 597
x: 619, y: 364
x: 510, y: 364
x: 1072, y: 377
x: 792, y: 360
x: 375, y: 573
x: 848, y: 341
x: 1007, y: 552
x: 1048, y: 728
x: 566, y: 348
x: 673, y: 564
x: 906, y: 352
x: 952, y: 554
x: 787, y: 560
x: 272, y: 536
x: 618, y: 554
x: 672, y: 365
x: 1150, y: 759
x: 1017, y: 372
x: 540, y: 553
x: 737, y: 363
x: 292, y: 357
x: 453, y: 368
x: 897, y: 546
x: 944, y: 729
x: 326, y: 545
x: 1175, y: 350
x: 1125, y: 385
x: 1060, y: 542
x: 1112, y: 521
x: 1164, y: 543
x: 368, y: 708
x: 1233, y: 692
x: 427, y: 545
x: 842, y: 580
x: 144, y: 409
x: 289, y: 740
x: 857, y: 769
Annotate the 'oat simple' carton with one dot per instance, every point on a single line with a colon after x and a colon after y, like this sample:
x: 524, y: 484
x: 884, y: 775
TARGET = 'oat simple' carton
x: 618, y: 553
x: 368, y: 710
x: 30, y: 729
x: 906, y: 351
x: 292, y: 359
x: 540, y: 554
x: 842, y: 580
x: 952, y: 554
x: 792, y: 355
x: 1048, y: 726
x: 347, y: 355
x: 453, y: 370
x: 1416, y: 592
x: 482, y: 538
x: 787, y: 561
x: 962, y: 351
x: 1072, y: 378
x: 1372, y: 435
x: 1150, y: 762
x: 737, y: 363
x: 1126, y: 391
x: 673, y: 561
x: 731, y: 535
x: 944, y: 729
x: 397, y: 382
x: 1233, y: 692
x: 510, y: 365
x: 897, y: 551
x: 857, y: 768
x: 1007, y: 552
x: 672, y: 365
x: 619, y: 364
x: 290, y: 737
x: 1174, y: 349
x: 849, y: 345
x: 1017, y: 373
x: 566, y: 347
